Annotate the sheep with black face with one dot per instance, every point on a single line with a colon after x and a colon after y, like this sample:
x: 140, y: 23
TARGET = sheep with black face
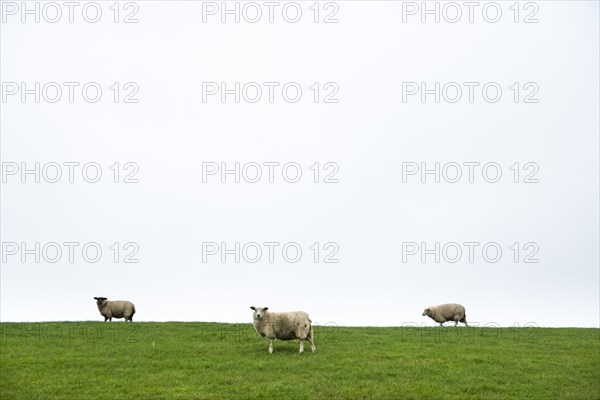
x: 115, y: 309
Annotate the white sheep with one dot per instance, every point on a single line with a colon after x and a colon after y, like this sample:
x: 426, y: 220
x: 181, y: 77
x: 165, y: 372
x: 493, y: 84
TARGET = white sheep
x: 115, y: 309
x: 447, y: 312
x: 283, y: 326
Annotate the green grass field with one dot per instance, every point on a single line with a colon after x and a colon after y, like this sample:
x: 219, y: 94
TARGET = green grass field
x: 171, y: 360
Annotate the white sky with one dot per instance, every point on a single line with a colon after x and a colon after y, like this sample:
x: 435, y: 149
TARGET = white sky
x: 369, y: 133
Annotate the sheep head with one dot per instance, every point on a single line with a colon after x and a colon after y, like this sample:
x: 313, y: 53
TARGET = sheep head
x: 259, y: 312
x: 100, y: 300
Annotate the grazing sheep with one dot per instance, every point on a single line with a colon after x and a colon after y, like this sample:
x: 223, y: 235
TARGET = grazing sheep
x: 283, y: 326
x: 447, y: 312
x: 115, y: 309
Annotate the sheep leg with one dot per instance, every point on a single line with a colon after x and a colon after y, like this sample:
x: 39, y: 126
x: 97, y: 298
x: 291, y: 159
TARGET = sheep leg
x: 301, y: 345
x: 270, y: 346
x: 311, y: 341
x: 312, y: 344
x: 455, y: 324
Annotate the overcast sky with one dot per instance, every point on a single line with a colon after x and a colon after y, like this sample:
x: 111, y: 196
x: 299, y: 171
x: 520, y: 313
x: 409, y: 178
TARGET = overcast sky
x: 336, y: 123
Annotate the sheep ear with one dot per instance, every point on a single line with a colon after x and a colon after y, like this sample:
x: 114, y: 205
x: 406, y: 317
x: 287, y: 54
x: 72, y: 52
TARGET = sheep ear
x: 95, y: 298
x: 265, y: 308
x: 253, y: 308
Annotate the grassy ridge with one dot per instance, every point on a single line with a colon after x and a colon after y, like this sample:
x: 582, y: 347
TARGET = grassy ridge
x: 95, y: 360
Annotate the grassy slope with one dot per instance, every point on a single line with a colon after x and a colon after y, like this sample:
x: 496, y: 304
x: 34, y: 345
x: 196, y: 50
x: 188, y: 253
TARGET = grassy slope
x: 93, y: 360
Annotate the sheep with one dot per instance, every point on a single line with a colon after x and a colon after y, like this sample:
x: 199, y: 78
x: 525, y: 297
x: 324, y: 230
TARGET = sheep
x: 115, y: 309
x: 283, y: 326
x: 447, y: 312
